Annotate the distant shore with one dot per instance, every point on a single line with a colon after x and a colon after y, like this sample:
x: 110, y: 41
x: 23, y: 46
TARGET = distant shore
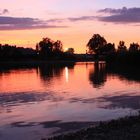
x: 127, y: 128
x: 38, y: 62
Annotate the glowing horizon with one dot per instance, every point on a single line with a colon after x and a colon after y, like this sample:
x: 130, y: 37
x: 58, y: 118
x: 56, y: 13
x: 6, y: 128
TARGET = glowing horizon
x: 73, y: 22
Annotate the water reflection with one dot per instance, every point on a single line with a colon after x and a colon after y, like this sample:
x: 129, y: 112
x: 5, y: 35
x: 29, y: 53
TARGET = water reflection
x: 64, y: 97
x: 49, y: 71
x: 67, y: 74
x: 131, y: 101
x: 17, y: 99
x: 122, y: 101
x: 98, y: 75
x: 125, y: 72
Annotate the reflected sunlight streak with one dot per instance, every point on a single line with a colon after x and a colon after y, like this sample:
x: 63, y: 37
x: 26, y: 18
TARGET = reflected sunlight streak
x: 67, y: 74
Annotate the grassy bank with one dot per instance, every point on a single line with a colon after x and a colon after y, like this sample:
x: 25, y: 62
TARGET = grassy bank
x: 127, y: 128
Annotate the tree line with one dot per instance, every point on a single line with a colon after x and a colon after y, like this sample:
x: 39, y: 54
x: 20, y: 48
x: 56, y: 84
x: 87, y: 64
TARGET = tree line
x: 99, y: 46
x: 48, y: 49
x: 121, y: 54
x: 10, y: 52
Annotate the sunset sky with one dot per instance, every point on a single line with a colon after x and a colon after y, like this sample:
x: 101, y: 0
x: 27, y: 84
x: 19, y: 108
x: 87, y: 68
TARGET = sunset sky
x: 26, y: 22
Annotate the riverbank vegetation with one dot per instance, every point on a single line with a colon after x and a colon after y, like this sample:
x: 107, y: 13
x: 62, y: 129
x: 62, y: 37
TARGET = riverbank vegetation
x: 112, y: 54
x: 46, y: 49
x: 97, y: 49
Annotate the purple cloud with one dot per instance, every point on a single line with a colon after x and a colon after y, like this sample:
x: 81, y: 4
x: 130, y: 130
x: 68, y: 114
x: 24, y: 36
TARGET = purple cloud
x: 15, y: 23
x: 83, y: 18
x: 113, y: 11
x: 4, y: 11
x: 124, y: 15
x: 72, y: 19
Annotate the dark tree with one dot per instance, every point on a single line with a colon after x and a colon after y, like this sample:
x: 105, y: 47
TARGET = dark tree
x: 45, y: 47
x: 70, y: 50
x: 108, y: 49
x: 58, y: 46
x: 134, y: 47
x: 48, y: 48
x: 96, y: 43
x: 121, y: 47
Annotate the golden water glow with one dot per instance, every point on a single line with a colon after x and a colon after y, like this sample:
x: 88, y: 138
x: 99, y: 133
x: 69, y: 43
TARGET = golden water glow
x: 67, y: 74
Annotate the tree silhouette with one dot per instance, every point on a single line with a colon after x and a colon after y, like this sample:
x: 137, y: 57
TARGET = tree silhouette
x: 96, y: 43
x: 48, y: 48
x: 45, y: 47
x: 108, y: 49
x: 134, y: 47
x: 58, y: 46
x: 70, y: 50
x: 121, y: 47
x: 9, y: 52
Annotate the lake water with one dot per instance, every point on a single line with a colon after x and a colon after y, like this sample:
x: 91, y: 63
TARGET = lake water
x: 50, y: 99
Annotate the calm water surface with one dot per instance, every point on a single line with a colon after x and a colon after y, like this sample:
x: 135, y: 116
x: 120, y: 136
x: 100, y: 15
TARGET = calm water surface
x: 50, y: 99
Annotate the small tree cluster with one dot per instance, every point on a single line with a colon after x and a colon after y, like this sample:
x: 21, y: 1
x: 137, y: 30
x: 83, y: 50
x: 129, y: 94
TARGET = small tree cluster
x: 98, y: 45
x: 70, y: 51
x: 47, y: 48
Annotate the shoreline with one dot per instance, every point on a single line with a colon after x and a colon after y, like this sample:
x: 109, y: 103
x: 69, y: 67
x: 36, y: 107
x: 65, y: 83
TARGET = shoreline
x: 43, y: 61
x: 35, y: 63
x: 126, y: 128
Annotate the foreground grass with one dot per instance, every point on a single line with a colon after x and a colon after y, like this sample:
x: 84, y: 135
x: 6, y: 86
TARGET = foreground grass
x: 127, y: 128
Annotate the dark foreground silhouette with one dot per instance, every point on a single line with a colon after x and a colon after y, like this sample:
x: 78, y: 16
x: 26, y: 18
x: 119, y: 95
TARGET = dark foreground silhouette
x: 122, y: 129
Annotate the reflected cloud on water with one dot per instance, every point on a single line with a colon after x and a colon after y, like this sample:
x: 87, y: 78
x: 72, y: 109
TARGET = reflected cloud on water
x: 17, y: 99
x: 122, y: 101
x: 106, y: 102
x: 112, y: 102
